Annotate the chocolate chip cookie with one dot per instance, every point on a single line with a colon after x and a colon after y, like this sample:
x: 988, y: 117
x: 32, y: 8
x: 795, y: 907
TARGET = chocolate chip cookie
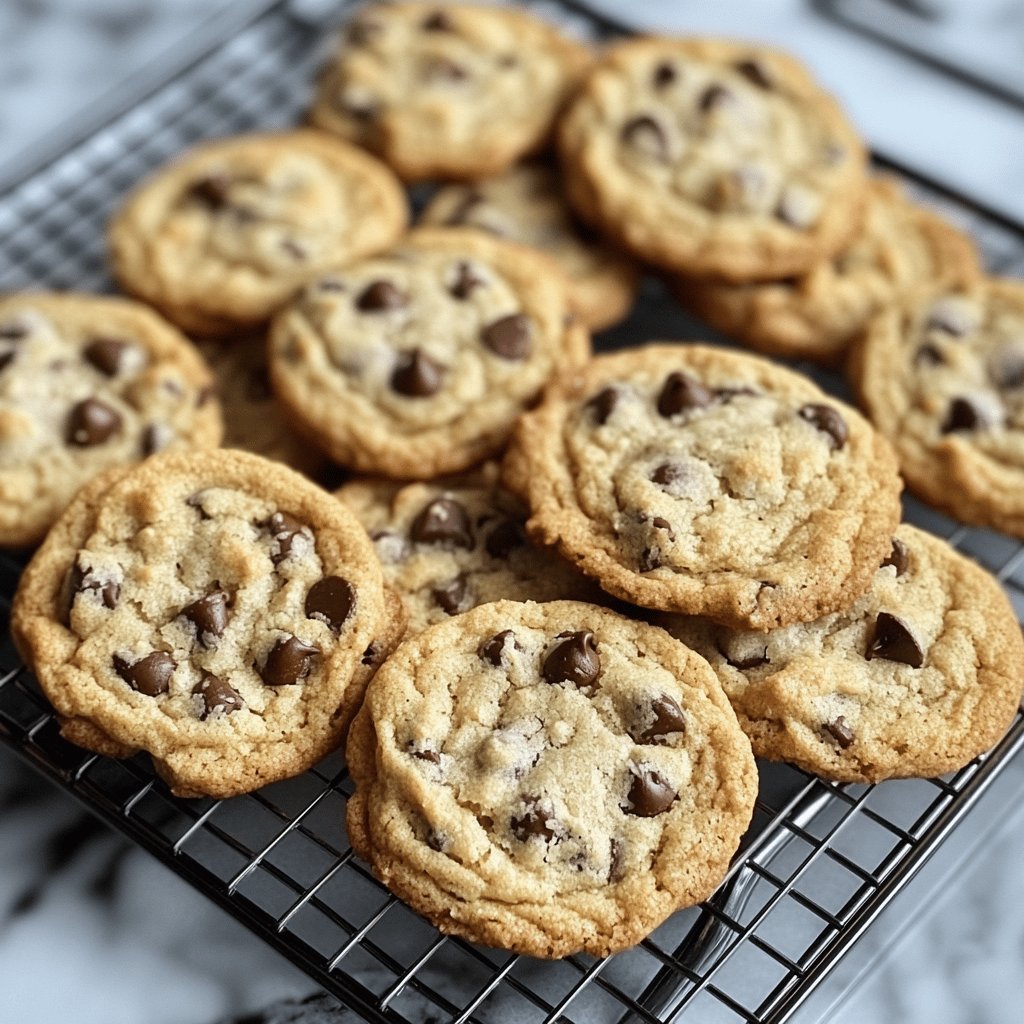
x: 87, y: 383
x: 548, y: 778
x: 449, y: 546
x: 920, y: 675
x: 447, y: 91
x: 900, y: 247
x: 695, y: 479
x: 417, y: 363
x: 526, y: 205
x: 221, y: 237
x: 713, y: 158
x: 942, y: 376
x: 212, y: 608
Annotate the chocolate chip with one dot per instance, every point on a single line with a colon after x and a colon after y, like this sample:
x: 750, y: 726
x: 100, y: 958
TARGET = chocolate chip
x: 716, y: 96
x: 964, y: 414
x: 491, y: 650
x: 330, y: 600
x: 826, y: 419
x: 6, y: 358
x: 416, y: 375
x: 664, y: 75
x: 424, y: 751
x: 754, y: 71
x: 381, y: 295
x: 91, y: 422
x: 616, y: 860
x: 603, y: 404
x: 929, y: 355
x: 644, y: 135
x: 465, y: 281
x: 508, y: 337
x: 106, y: 355
x: 649, y: 792
x: 899, y: 557
x: 670, y: 475
x: 451, y: 596
x: 150, y: 675
x: 680, y: 393
x: 217, y: 696
x: 13, y: 332
x: 289, y: 660
x: 445, y: 69
x: 210, y: 617
x: 82, y: 580
x: 283, y: 531
x: 537, y: 823
x: 156, y: 437
x: 839, y: 732
x: 893, y: 641
x: 744, y: 663
x: 668, y: 720
x: 505, y: 538
x: 950, y: 317
x: 212, y: 190
x: 370, y: 655
x: 437, y: 22
x: 443, y: 521
x: 573, y: 659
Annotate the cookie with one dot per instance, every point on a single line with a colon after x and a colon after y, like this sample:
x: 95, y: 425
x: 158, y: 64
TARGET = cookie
x: 942, y: 376
x: 448, y: 546
x: 212, y: 608
x: 713, y: 158
x: 525, y: 204
x: 694, y: 479
x: 900, y: 247
x: 916, y: 678
x: 417, y: 363
x: 88, y: 383
x: 221, y: 237
x: 447, y: 92
x: 252, y: 419
x: 548, y: 778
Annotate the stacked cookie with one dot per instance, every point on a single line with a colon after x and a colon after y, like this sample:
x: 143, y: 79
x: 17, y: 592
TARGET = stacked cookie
x: 566, y: 593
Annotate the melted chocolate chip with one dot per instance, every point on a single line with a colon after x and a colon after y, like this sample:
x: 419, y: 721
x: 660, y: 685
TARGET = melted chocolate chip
x: 491, y: 650
x: 438, y: 21
x: 755, y: 72
x: 283, y: 531
x: 212, y: 190
x: 6, y: 358
x: 150, y: 675
x: 537, y: 823
x: 929, y: 355
x: 505, y: 538
x: 451, y: 596
x: 664, y: 75
x: 508, y: 337
x: 616, y: 860
x: 289, y: 660
x: 424, y: 752
x: 893, y: 641
x: 645, y: 136
x: 330, y: 600
x: 156, y: 437
x: 839, y: 732
x: 828, y: 421
x: 573, y: 659
x: 964, y: 414
x: 13, y: 332
x: 716, y: 96
x: 217, y: 696
x: 443, y: 521
x: 106, y: 355
x: 416, y: 375
x: 91, y: 422
x: 680, y: 393
x: 82, y: 580
x: 899, y: 557
x: 670, y: 475
x: 465, y: 281
x: 603, y: 404
x: 668, y: 721
x: 210, y: 617
x: 649, y: 793
x: 381, y: 295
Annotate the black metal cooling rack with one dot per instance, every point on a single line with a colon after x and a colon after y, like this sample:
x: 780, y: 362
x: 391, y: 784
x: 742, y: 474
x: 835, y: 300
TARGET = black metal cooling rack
x: 819, y: 863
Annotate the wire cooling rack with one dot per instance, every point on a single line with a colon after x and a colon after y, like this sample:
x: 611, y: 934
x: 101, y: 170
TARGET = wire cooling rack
x: 819, y: 863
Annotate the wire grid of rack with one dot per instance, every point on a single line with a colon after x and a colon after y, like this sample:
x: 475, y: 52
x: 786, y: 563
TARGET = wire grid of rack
x: 819, y: 863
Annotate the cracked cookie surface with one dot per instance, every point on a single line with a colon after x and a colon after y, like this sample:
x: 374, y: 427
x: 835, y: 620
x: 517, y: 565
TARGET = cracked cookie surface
x: 417, y: 363
x: 221, y: 237
x: 86, y: 384
x: 447, y: 91
x: 920, y: 675
x: 548, y: 778
x: 713, y: 158
x: 214, y: 609
x: 696, y: 479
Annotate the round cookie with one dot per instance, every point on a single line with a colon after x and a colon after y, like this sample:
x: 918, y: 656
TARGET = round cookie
x: 695, y: 479
x: 713, y: 158
x: 525, y: 204
x: 252, y: 419
x: 942, y: 376
x: 448, y: 92
x: 450, y: 545
x: 212, y: 608
x: 548, y: 778
x: 418, y: 363
x: 221, y: 237
x: 88, y: 383
x: 919, y: 676
x: 900, y: 247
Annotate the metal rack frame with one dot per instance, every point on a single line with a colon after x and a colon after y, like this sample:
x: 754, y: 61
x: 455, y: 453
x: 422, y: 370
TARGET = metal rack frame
x: 820, y: 862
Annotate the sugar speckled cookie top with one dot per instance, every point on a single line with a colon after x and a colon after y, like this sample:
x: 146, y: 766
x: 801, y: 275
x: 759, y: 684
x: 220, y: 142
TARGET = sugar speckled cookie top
x: 448, y: 546
x: 525, y: 204
x: 417, y: 363
x: 691, y: 478
x: 87, y: 383
x: 448, y: 91
x: 942, y: 376
x: 712, y: 157
x: 920, y: 675
x: 900, y: 247
x: 212, y: 608
x: 219, y: 238
x: 548, y: 778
